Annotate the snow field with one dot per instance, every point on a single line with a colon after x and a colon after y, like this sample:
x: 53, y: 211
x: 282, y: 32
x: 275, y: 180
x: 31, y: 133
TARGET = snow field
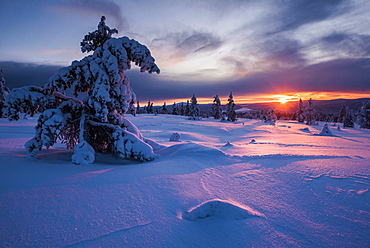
x: 288, y: 188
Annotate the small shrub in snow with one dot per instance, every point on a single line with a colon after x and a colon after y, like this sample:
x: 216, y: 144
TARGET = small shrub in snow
x: 175, y: 137
x: 325, y: 131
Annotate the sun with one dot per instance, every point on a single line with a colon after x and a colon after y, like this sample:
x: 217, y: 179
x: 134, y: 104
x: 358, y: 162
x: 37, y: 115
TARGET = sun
x: 283, y: 100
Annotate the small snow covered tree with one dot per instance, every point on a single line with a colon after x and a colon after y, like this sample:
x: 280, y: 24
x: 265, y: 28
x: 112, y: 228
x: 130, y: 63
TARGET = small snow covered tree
x: 216, y: 108
x: 310, y: 114
x: 271, y: 117
x: 149, y: 107
x: 348, y: 120
x: 194, y: 109
x: 138, y: 111
x: 230, y: 112
x: 363, y: 117
x: 182, y: 109
x: 131, y: 107
x: 300, y: 116
x: 175, y: 109
x: 98, y: 123
x: 164, y: 108
x: 342, y: 113
x: 4, y: 91
x: 187, y: 108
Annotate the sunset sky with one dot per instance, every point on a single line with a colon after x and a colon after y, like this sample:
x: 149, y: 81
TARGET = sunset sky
x: 259, y: 49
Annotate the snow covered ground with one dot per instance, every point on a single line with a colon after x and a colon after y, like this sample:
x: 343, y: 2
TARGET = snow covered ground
x: 270, y: 186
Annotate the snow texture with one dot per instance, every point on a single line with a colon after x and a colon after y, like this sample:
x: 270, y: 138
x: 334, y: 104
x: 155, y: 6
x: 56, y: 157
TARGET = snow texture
x: 289, y: 188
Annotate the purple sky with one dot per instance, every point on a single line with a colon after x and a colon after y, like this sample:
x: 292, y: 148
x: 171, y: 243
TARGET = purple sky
x: 255, y: 47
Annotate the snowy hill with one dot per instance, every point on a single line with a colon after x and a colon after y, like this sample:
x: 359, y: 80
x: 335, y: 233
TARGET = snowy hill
x: 242, y: 184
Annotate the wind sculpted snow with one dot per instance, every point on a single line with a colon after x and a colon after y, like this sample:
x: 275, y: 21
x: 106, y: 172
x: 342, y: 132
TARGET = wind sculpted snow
x: 273, y: 186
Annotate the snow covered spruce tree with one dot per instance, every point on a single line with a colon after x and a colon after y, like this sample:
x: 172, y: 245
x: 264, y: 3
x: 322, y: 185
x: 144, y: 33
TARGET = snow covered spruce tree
x: 175, y: 109
x: 230, y: 112
x: 194, y: 109
x: 216, y: 108
x: 348, y: 120
x: 342, y: 113
x: 98, y: 123
x: 4, y: 91
x: 310, y: 114
x: 270, y: 117
x: 363, y: 117
x: 300, y: 116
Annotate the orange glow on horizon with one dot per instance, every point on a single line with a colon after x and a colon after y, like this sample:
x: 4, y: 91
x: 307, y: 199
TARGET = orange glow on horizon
x: 280, y: 98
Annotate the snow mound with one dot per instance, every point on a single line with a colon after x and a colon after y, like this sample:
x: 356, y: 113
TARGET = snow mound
x: 191, y: 149
x: 175, y: 137
x: 227, y: 210
x: 228, y: 144
x: 306, y: 129
x: 84, y: 154
x: 325, y: 131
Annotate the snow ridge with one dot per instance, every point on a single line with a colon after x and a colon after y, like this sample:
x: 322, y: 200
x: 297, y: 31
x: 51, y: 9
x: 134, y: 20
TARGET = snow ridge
x: 224, y: 209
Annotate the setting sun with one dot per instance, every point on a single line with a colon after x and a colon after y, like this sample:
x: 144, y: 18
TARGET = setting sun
x: 283, y: 100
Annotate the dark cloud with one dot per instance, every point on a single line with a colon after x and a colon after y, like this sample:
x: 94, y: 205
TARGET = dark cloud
x: 281, y: 52
x: 21, y: 74
x: 348, y: 44
x: 184, y: 43
x: 297, y: 13
x: 99, y: 7
x: 240, y: 67
x: 199, y: 42
x: 348, y: 75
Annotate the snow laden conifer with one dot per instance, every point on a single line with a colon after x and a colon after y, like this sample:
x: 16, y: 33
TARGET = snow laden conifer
x: 194, y: 109
x: 309, y: 114
x: 300, y: 116
x: 138, y: 110
x: 342, y: 113
x: 348, y: 120
x: 216, y: 108
x: 4, y: 91
x: 363, y: 117
x: 271, y: 117
x: 230, y: 111
x: 164, y: 108
x: 175, y: 109
x: 98, y: 123
x: 187, y: 108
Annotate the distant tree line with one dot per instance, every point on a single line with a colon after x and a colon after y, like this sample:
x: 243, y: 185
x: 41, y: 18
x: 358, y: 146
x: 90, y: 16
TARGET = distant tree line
x: 304, y: 114
x: 31, y: 104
